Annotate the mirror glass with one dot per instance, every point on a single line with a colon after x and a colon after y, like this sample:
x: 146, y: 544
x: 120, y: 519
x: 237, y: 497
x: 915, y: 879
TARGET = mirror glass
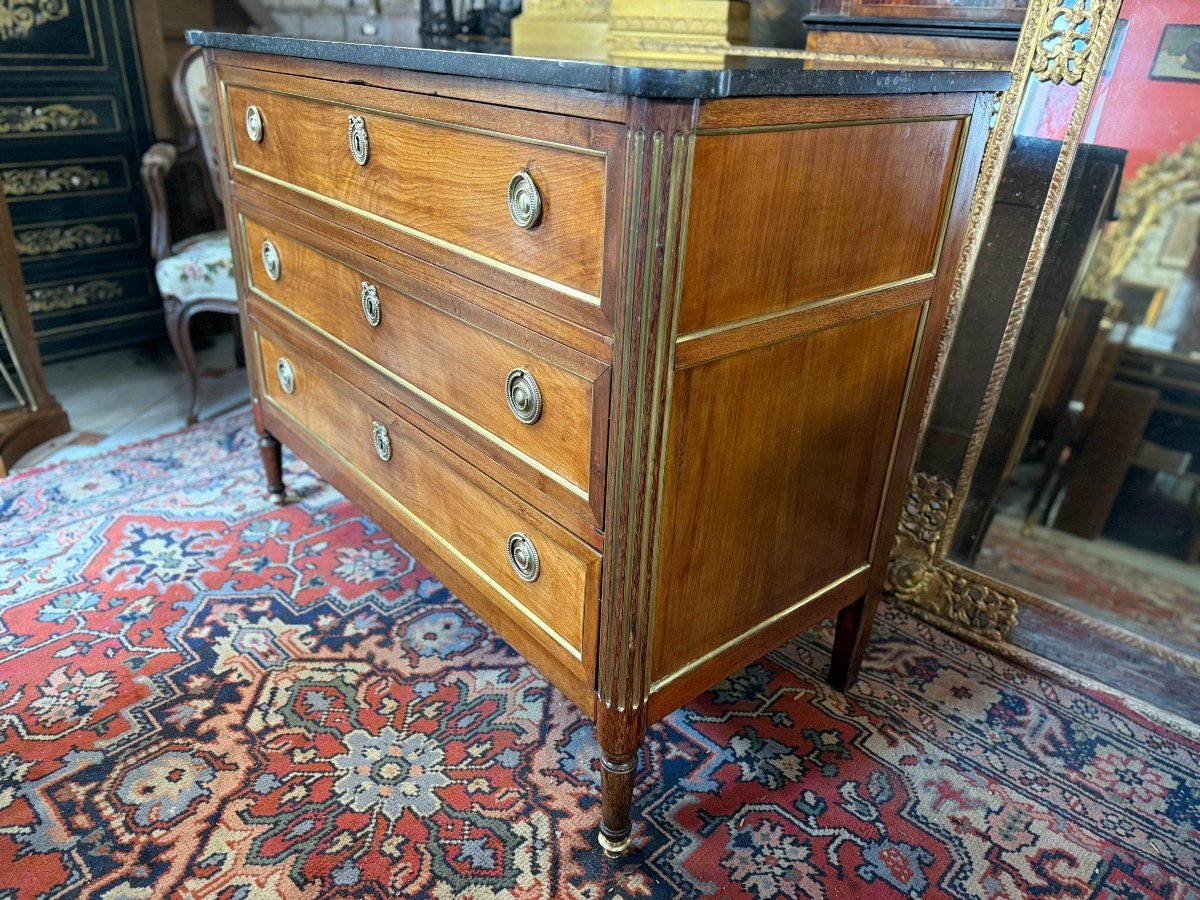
x: 1087, y: 488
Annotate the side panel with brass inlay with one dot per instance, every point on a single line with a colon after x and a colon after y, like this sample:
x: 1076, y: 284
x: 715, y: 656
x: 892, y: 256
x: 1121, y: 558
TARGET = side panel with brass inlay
x: 467, y: 521
x: 853, y: 206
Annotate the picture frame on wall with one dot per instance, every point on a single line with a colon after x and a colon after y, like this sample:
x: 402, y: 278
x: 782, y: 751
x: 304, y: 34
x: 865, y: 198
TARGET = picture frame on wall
x: 1178, y: 54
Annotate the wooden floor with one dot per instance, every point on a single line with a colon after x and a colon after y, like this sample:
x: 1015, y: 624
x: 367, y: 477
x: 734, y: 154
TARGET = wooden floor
x: 127, y: 395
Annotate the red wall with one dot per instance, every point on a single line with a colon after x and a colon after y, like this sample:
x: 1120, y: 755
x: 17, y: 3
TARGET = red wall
x: 1143, y: 116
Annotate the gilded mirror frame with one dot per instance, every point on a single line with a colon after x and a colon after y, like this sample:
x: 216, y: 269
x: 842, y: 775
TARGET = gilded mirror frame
x: 1062, y: 42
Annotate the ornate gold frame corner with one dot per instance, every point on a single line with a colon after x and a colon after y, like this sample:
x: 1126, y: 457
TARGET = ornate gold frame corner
x: 1063, y: 42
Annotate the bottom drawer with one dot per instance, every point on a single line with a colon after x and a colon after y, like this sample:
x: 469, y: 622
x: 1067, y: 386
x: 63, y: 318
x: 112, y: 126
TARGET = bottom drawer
x: 537, y: 575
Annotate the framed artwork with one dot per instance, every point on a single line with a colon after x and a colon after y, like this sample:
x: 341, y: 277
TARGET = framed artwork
x: 1178, y: 54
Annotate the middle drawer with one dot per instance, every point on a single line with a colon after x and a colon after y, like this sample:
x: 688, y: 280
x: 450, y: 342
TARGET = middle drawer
x: 542, y: 414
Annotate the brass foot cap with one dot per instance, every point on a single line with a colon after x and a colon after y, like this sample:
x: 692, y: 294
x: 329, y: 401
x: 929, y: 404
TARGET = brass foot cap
x: 278, y: 499
x: 614, y: 849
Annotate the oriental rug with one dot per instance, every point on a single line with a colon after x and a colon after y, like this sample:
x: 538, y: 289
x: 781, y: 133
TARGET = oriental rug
x: 206, y: 696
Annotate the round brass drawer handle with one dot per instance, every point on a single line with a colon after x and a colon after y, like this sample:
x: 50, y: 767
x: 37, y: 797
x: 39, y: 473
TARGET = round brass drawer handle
x: 370, y: 303
x: 383, y: 443
x: 360, y: 147
x: 270, y: 259
x: 523, y: 395
x: 524, y: 200
x: 524, y: 557
x: 287, y: 378
x: 254, y: 123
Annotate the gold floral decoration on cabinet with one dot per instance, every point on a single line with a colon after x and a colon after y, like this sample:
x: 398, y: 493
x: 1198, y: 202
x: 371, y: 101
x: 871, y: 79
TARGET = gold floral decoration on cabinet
x: 42, y: 241
x: 19, y: 17
x: 70, y: 296
x: 43, y: 180
x: 49, y: 117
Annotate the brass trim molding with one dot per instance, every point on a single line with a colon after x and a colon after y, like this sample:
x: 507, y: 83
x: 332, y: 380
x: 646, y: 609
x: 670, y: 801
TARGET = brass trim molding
x: 1063, y: 42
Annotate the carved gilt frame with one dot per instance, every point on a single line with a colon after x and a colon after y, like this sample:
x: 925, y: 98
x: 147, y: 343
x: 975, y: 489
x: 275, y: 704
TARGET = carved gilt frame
x: 1063, y: 42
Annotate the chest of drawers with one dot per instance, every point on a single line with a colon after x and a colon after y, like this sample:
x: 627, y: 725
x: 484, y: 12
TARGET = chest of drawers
x: 633, y: 363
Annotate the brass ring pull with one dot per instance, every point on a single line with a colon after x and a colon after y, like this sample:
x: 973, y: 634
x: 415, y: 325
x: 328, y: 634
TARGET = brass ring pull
x: 254, y: 123
x: 360, y: 148
x: 523, y: 395
x: 524, y: 200
x: 383, y: 443
x: 270, y: 259
x: 287, y: 378
x: 370, y: 303
x: 524, y: 557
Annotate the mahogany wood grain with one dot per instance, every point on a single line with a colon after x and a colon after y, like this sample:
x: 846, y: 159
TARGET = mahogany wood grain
x: 437, y: 170
x: 459, y: 366
x: 851, y: 207
x: 775, y: 471
x: 470, y: 522
x: 770, y: 112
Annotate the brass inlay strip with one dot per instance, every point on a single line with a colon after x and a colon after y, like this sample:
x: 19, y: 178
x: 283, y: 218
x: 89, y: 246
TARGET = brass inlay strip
x: 437, y: 123
x: 437, y: 242
x: 951, y: 188
x: 795, y: 311
x: 427, y: 529
x: 428, y: 398
x: 611, y: 656
x: 908, y: 384
x: 761, y: 626
x: 832, y: 123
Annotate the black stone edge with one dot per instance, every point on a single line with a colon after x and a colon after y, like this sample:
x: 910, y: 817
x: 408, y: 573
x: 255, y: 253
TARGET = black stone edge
x: 772, y: 78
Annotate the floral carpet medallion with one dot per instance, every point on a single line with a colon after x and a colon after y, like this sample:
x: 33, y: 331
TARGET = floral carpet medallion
x: 205, y: 696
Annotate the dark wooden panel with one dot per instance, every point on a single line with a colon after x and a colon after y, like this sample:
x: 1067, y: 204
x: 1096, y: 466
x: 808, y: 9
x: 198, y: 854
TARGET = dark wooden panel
x: 775, y: 471
x: 851, y: 207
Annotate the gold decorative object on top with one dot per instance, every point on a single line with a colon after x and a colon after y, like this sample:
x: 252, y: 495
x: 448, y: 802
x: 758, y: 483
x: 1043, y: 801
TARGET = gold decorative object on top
x: 19, y: 17
x: 1157, y: 186
x: 572, y: 29
x: 49, y: 117
x: 42, y: 180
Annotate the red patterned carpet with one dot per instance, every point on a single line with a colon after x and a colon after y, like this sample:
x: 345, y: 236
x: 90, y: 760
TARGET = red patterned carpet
x: 202, y: 695
x: 1064, y: 569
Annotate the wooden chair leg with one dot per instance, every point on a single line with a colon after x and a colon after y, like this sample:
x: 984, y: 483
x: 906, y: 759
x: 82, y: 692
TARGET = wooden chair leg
x: 272, y: 459
x: 179, y: 319
x: 850, y: 640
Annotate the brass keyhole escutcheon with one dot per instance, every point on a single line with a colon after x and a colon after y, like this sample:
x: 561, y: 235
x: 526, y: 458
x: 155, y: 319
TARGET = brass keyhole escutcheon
x: 360, y: 147
x: 370, y: 303
x: 383, y: 443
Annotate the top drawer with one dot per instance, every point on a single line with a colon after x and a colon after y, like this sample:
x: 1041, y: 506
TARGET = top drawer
x: 435, y: 174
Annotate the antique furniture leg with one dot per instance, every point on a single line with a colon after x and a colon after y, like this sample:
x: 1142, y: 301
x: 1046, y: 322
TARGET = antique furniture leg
x: 620, y: 734
x: 179, y: 322
x: 850, y: 640
x: 272, y: 458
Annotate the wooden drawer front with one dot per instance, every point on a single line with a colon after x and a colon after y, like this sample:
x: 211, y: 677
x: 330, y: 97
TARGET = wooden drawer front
x: 465, y: 518
x: 443, y: 182
x: 459, y: 368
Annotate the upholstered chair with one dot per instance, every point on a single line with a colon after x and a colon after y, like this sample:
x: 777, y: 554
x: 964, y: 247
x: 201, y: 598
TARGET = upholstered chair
x: 194, y: 270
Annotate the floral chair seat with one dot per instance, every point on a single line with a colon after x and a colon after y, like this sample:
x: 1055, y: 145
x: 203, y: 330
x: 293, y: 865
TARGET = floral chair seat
x: 200, y: 267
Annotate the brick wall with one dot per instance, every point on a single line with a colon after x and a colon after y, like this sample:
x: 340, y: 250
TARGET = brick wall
x: 375, y: 21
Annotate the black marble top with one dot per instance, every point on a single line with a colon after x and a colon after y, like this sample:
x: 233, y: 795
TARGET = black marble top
x: 741, y: 76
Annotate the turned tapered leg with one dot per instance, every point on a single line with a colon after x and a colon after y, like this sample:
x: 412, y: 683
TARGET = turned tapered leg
x: 851, y: 639
x: 620, y: 734
x: 272, y: 458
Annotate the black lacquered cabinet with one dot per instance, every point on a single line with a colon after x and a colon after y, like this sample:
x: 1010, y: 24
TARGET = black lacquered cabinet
x: 74, y: 122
